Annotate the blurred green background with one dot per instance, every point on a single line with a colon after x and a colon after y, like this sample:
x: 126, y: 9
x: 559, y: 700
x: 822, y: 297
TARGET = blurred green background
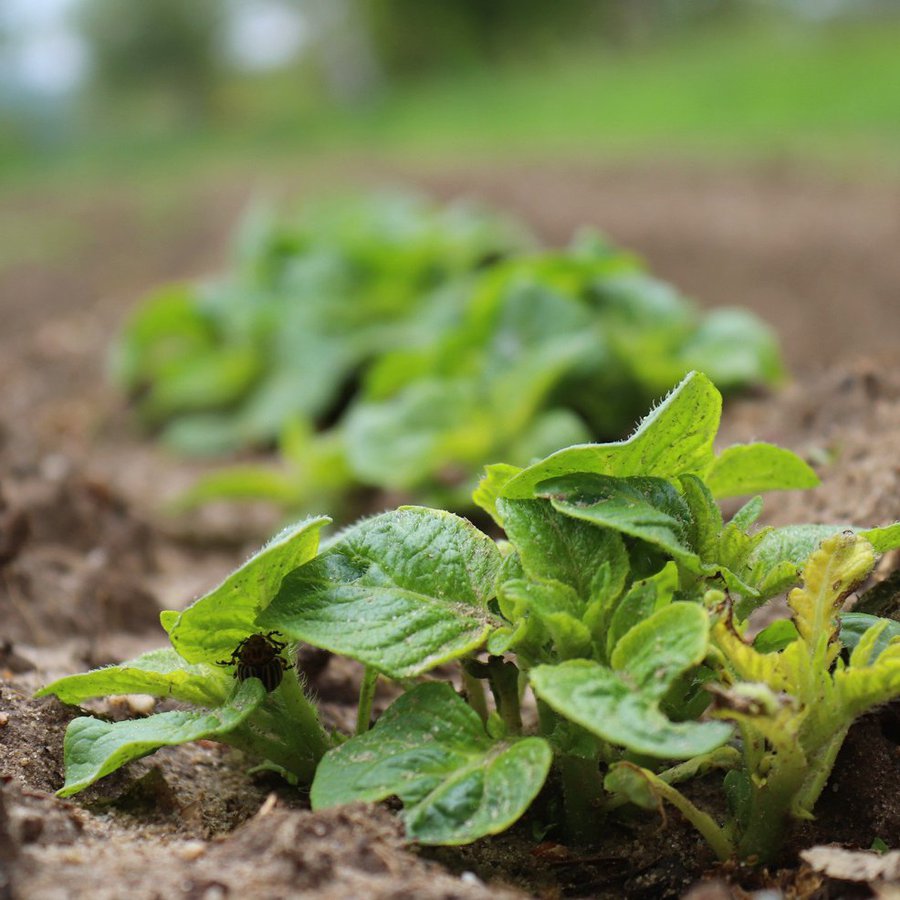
x: 100, y: 88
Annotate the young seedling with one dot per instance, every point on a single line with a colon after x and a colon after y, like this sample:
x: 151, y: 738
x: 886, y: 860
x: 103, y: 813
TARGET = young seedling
x: 793, y: 705
x: 617, y: 595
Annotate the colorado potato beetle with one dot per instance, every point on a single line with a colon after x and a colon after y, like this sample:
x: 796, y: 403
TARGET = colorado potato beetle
x: 259, y: 656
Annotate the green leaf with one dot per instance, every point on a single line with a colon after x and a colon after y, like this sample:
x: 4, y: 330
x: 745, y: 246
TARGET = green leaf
x: 555, y: 611
x: 855, y: 625
x: 400, y: 442
x: 747, y: 514
x: 751, y: 468
x: 491, y: 486
x: 557, y: 547
x: 402, y: 592
x: 211, y: 627
x: 883, y: 539
x: 430, y: 749
x: 637, y: 605
x: 705, y: 517
x: 776, y: 637
x: 161, y: 673
x: 649, y: 509
x: 621, y: 704
x: 94, y: 748
x: 676, y: 438
x: 735, y: 349
x: 775, y: 563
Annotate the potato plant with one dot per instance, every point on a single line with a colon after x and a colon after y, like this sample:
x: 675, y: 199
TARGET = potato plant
x: 398, y: 345
x: 604, y: 638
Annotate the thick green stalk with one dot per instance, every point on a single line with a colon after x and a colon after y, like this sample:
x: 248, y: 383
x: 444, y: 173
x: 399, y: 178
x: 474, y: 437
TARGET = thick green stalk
x: 714, y: 834
x: 251, y: 741
x: 820, y: 769
x: 582, y: 795
x: 305, y: 728
x: 475, y: 694
x: 504, y: 681
x: 720, y: 758
x: 770, y: 805
x: 366, y: 697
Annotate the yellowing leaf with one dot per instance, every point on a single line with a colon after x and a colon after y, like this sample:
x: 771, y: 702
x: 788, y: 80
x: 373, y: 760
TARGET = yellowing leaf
x: 841, y: 563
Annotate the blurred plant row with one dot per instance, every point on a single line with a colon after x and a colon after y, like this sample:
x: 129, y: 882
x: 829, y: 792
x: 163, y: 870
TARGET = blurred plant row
x: 396, y: 344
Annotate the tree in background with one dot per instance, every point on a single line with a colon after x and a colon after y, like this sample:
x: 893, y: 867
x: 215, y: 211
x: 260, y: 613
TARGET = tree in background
x: 166, y: 49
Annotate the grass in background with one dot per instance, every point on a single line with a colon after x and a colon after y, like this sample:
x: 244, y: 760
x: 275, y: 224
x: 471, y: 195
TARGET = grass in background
x: 828, y: 95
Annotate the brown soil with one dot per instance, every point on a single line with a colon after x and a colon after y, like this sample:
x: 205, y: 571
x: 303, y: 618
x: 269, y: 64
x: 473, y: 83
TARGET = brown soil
x: 87, y: 560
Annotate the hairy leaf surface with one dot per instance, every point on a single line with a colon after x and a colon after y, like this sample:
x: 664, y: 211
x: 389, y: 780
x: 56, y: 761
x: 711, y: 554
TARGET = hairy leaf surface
x: 402, y: 592
x: 676, y: 438
x: 211, y: 627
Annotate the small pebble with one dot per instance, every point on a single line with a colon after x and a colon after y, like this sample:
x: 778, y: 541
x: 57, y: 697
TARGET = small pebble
x: 141, y: 704
x: 4, y: 719
x: 190, y: 850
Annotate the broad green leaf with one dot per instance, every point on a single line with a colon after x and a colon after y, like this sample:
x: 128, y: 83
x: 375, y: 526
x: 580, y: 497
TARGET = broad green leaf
x: 161, y: 673
x: 676, y: 438
x: 400, y: 442
x: 705, y: 518
x: 649, y: 509
x: 546, y: 433
x: 402, y: 592
x: 874, y: 641
x: 430, y: 749
x: 212, y: 380
x: 94, y: 748
x: 775, y: 563
x: 211, y: 627
x: 883, y: 539
x: 556, y: 611
x: 241, y: 483
x: 556, y: 546
x: 169, y: 326
x: 751, y: 468
x: 491, y: 486
x: 776, y: 637
x: 621, y: 704
x: 854, y: 626
x: 637, y: 605
x: 747, y: 514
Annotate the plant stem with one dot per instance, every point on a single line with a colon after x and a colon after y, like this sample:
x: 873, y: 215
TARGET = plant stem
x: 770, y: 804
x: 308, y: 731
x: 820, y: 768
x: 720, y: 758
x: 475, y: 694
x: 248, y: 739
x: 582, y: 795
x: 504, y: 680
x: 366, y: 696
x: 714, y: 834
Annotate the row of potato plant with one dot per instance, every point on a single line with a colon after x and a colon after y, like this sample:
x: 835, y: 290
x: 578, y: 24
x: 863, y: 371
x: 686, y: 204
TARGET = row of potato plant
x: 605, y: 637
x: 396, y: 344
